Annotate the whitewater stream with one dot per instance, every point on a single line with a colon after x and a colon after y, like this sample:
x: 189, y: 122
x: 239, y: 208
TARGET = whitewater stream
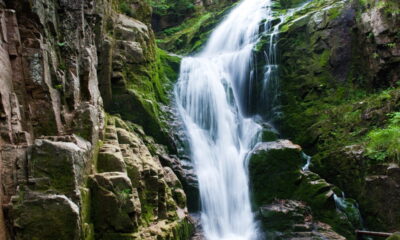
x: 213, y: 94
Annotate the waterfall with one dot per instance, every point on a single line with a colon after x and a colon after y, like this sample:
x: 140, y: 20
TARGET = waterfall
x: 212, y: 95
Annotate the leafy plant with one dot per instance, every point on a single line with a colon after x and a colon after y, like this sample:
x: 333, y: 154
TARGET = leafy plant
x: 391, y: 45
x: 384, y: 144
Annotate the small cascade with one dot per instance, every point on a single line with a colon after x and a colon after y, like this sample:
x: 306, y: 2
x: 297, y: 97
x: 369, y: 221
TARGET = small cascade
x: 349, y: 208
x: 306, y: 166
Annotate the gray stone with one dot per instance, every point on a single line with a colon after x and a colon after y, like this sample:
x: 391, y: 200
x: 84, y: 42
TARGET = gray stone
x: 42, y: 216
x: 115, y: 203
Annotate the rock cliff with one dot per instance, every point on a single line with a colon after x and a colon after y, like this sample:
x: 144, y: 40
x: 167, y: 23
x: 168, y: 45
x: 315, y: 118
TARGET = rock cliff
x: 70, y: 169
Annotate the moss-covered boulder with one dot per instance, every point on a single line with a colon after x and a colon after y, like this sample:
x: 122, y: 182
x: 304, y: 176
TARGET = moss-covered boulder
x: 274, y: 169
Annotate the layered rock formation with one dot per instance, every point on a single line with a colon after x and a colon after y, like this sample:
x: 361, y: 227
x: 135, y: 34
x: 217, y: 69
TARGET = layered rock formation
x: 68, y: 169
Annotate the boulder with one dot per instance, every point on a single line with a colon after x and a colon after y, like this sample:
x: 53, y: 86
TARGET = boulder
x: 115, y: 204
x: 58, y: 166
x: 275, y: 172
x: 44, y: 216
x: 110, y: 159
x: 289, y: 219
x: 379, y: 200
x: 274, y: 169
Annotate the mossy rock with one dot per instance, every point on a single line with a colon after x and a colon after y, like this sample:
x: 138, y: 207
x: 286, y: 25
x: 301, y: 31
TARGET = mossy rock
x: 274, y: 169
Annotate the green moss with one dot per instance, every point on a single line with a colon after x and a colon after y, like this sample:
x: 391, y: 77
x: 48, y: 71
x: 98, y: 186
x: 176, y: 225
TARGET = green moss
x: 191, y: 35
x: 273, y: 174
x: 178, y: 8
x: 87, y: 226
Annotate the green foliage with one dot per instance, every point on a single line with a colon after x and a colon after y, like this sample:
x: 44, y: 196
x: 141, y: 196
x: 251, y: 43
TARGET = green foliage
x: 191, y: 35
x: 384, y: 144
x: 125, y: 8
x: 391, y: 45
x: 177, y: 8
x: 124, y: 194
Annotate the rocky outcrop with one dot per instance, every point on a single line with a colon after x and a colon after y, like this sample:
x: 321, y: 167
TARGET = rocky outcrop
x: 293, y: 220
x: 174, y: 13
x: 381, y: 193
x: 275, y: 170
x: 134, y: 193
x: 338, y: 68
x: 68, y: 170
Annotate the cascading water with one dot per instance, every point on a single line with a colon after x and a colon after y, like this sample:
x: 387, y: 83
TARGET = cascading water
x: 212, y: 95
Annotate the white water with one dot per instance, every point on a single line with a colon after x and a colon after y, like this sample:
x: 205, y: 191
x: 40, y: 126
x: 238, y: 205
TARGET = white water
x: 211, y: 95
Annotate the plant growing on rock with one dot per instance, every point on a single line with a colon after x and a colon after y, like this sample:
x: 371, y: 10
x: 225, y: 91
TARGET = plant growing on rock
x: 384, y: 143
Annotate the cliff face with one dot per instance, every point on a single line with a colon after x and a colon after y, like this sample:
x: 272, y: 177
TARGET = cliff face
x: 339, y: 72
x: 69, y: 170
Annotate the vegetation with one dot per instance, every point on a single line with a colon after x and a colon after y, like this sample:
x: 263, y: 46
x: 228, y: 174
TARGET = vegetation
x: 384, y: 144
x: 178, y: 8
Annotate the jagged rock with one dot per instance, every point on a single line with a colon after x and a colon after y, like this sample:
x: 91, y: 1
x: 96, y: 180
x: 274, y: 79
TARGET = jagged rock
x: 88, y: 122
x: 42, y: 216
x: 115, y: 203
x: 51, y: 76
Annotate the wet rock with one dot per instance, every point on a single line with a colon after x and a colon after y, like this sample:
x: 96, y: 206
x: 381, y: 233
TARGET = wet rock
x: 275, y: 172
x: 274, y: 169
x: 289, y: 219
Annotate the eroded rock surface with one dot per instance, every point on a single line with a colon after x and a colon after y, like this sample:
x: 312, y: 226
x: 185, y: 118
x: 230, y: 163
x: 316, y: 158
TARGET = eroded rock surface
x: 66, y: 166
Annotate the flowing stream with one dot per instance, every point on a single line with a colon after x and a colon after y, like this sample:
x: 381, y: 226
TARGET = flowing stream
x: 212, y: 95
